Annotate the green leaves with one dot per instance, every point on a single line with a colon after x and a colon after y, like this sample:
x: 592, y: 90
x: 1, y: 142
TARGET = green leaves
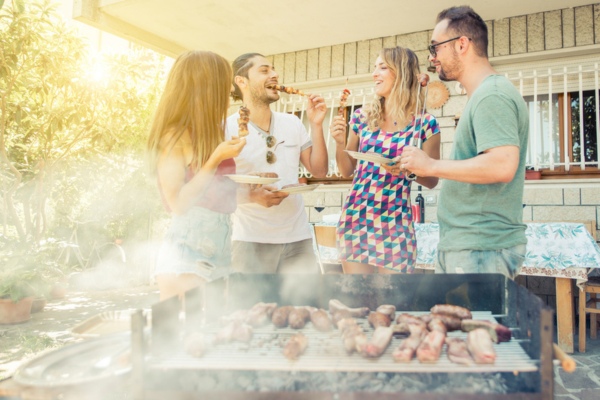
x: 55, y: 115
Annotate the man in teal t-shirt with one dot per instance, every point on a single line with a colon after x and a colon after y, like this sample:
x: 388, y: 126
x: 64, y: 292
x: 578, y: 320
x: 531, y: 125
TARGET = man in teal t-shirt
x: 480, y: 206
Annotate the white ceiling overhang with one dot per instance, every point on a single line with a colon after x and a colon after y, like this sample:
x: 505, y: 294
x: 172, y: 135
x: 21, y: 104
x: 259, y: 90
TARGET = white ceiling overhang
x: 233, y: 27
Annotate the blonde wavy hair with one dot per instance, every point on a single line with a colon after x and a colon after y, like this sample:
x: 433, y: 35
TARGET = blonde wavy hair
x: 402, y: 100
x: 194, y: 101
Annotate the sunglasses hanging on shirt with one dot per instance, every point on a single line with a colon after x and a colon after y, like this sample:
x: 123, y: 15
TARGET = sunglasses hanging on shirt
x: 271, y: 146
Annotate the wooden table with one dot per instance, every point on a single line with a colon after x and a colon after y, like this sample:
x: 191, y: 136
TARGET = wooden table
x: 564, y: 251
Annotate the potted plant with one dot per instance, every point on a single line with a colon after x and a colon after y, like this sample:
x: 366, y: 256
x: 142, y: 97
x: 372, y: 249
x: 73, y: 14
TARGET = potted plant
x: 23, y: 279
x: 16, y: 295
x: 532, y: 174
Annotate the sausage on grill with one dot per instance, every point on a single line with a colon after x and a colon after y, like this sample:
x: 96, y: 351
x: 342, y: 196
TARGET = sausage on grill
x: 449, y: 309
x: 336, y: 305
x: 295, y: 346
x: 321, y: 321
x: 280, y: 316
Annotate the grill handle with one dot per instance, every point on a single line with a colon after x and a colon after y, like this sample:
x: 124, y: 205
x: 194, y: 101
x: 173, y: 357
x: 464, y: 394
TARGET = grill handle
x: 567, y: 363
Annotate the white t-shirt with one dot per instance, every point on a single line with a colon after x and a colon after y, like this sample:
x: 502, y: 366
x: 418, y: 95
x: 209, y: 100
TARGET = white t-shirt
x: 288, y: 221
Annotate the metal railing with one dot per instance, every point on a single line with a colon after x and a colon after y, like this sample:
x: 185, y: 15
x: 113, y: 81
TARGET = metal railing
x: 548, y: 148
x: 550, y: 143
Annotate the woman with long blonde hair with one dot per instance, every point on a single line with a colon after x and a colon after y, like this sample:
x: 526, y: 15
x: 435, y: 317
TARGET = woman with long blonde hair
x: 375, y: 231
x: 190, y: 156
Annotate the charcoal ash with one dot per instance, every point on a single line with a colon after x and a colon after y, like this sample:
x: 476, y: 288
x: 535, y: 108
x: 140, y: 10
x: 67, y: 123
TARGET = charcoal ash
x: 332, y: 382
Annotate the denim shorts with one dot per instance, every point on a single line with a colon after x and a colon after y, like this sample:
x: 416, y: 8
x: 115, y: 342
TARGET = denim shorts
x: 197, y: 242
x: 504, y: 261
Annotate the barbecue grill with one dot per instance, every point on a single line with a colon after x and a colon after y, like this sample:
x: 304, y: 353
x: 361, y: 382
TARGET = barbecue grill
x: 258, y: 370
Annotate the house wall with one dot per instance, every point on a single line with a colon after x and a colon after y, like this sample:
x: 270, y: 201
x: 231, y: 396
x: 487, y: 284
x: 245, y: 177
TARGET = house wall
x: 570, y: 33
x: 514, y: 42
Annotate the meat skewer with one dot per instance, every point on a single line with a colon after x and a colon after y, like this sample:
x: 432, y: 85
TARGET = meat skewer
x: 288, y: 90
x: 243, y: 121
x: 343, y: 101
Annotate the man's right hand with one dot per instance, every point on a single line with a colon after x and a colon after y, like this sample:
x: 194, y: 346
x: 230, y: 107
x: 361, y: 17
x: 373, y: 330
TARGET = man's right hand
x: 267, y: 196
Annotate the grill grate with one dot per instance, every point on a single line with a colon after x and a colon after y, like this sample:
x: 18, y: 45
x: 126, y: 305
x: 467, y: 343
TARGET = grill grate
x: 325, y: 353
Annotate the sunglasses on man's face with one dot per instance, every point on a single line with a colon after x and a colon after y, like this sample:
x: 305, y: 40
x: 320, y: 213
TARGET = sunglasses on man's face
x: 432, y: 47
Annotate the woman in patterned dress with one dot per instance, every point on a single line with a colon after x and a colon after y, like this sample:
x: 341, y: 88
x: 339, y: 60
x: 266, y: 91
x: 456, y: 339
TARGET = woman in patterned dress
x: 375, y: 231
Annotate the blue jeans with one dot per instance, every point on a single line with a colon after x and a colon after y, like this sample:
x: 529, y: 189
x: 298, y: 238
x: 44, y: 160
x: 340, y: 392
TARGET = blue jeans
x: 504, y: 261
x: 270, y: 258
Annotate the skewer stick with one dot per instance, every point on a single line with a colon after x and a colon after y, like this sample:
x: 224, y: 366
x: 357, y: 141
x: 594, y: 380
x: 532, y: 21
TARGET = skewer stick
x: 567, y: 363
x: 288, y: 90
x: 416, y: 141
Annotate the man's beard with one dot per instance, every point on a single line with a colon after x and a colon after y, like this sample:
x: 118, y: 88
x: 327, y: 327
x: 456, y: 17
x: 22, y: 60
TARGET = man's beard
x: 261, y: 97
x: 450, y: 73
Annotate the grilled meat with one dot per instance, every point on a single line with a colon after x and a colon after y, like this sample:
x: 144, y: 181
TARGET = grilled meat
x: 195, y: 344
x: 458, y: 352
x: 298, y: 317
x: 449, y: 309
x: 279, y: 318
x: 498, y: 332
x: 321, y: 321
x: 377, y: 344
x: 378, y: 319
x: 295, y: 347
x: 336, y: 305
x: 431, y: 347
x: 408, y: 347
x: 479, y: 343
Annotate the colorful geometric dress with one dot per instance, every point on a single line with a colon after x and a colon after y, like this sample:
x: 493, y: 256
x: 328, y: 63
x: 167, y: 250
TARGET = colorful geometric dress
x: 376, y: 225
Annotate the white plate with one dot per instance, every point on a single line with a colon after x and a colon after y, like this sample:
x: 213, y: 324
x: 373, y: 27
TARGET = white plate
x: 77, y: 363
x: 370, y: 157
x: 252, y: 179
x: 299, y: 189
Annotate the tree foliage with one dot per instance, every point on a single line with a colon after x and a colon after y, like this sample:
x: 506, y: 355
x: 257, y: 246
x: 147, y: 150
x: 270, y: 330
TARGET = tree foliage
x: 63, y: 112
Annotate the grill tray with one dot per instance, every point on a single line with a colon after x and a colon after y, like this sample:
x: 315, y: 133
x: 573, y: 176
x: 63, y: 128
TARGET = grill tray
x: 325, y: 353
